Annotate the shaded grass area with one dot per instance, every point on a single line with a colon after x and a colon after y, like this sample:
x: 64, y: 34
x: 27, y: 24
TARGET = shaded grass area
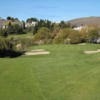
x: 65, y: 74
x: 10, y: 53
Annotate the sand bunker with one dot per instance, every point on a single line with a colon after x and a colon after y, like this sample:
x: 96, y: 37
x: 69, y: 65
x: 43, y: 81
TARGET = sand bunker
x: 36, y: 52
x: 82, y: 44
x: 92, y: 52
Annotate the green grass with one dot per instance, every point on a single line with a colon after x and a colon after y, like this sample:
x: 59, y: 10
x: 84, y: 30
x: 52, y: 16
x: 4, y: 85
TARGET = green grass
x: 65, y: 74
x: 21, y: 35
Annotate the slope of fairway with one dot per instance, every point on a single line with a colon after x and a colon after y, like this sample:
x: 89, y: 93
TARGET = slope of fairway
x: 64, y: 74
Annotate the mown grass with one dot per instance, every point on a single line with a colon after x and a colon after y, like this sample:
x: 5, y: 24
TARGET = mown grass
x: 65, y: 74
x: 29, y: 34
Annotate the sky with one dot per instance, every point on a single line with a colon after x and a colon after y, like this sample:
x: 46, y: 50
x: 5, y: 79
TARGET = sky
x: 54, y: 10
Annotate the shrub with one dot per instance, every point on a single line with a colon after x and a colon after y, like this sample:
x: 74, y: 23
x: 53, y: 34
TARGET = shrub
x: 24, y: 42
x: 44, y: 35
x: 92, y: 35
x: 7, y: 48
x: 67, y: 36
x: 3, y: 33
x: 83, y: 35
x: 74, y: 37
x: 61, y: 36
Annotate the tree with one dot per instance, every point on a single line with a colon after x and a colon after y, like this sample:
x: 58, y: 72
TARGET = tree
x: 41, y: 23
x: 93, y: 35
x: 62, y: 36
x: 43, y: 33
x: 9, y: 27
x: 3, y: 33
x: 16, y: 19
x: 9, y: 18
x: 35, y: 29
x: 56, y: 30
x: 74, y: 36
x: 62, y: 24
x: 84, y: 35
x: 67, y: 36
x: 17, y: 29
x: 23, y: 24
x: 29, y: 20
x: 68, y: 25
x: 12, y: 19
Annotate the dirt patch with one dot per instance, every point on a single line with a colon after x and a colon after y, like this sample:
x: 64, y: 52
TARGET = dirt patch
x: 82, y: 44
x: 92, y: 52
x: 36, y: 52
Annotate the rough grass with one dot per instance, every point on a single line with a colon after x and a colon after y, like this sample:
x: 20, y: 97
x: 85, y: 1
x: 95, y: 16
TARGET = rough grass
x: 65, y: 74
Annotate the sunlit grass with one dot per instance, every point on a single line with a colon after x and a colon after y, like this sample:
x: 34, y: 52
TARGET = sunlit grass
x: 65, y: 74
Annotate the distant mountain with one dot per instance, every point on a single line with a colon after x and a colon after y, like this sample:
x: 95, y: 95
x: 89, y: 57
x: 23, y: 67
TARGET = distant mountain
x: 85, y: 21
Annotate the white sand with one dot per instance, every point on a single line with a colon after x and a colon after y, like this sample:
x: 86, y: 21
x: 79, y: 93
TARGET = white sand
x: 92, y: 52
x: 82, y: 44
x: 36, y: 52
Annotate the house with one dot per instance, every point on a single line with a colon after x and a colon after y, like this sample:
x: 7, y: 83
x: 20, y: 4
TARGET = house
x: 17, y: 22
x: 79, y: 28
x: 2, y: 24
x: 33, y: 23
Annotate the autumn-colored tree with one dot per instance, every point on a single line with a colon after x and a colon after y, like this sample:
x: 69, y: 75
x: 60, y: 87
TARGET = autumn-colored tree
x: 56, y: 30
x: 67, y: 36
x: 83, y: 35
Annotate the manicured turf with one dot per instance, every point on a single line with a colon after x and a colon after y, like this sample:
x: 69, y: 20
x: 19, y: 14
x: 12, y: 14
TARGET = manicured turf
x: 65, y: 74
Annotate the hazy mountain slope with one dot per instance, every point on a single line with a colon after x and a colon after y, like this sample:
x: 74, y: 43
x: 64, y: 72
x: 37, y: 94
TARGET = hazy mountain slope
x: 86, y: 21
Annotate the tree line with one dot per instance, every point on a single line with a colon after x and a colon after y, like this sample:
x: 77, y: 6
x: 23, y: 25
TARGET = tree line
x: 44, y: 32
x: 48, y: 31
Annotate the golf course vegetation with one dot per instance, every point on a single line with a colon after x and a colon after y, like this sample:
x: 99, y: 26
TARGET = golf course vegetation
x: 49, y: 61
x: 67, y: 73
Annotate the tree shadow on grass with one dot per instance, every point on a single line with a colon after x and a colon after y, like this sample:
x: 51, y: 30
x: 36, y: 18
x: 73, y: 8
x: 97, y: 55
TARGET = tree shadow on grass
x: 10, y: 53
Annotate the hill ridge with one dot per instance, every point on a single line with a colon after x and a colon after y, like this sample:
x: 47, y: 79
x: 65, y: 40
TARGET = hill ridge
x: 92, y: 20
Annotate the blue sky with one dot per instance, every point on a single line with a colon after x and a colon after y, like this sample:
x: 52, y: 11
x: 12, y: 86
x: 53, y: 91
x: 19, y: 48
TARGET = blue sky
x: 54, y: 10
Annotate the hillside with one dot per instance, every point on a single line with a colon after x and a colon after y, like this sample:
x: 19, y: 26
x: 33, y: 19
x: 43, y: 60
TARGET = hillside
x: 86, y: 21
